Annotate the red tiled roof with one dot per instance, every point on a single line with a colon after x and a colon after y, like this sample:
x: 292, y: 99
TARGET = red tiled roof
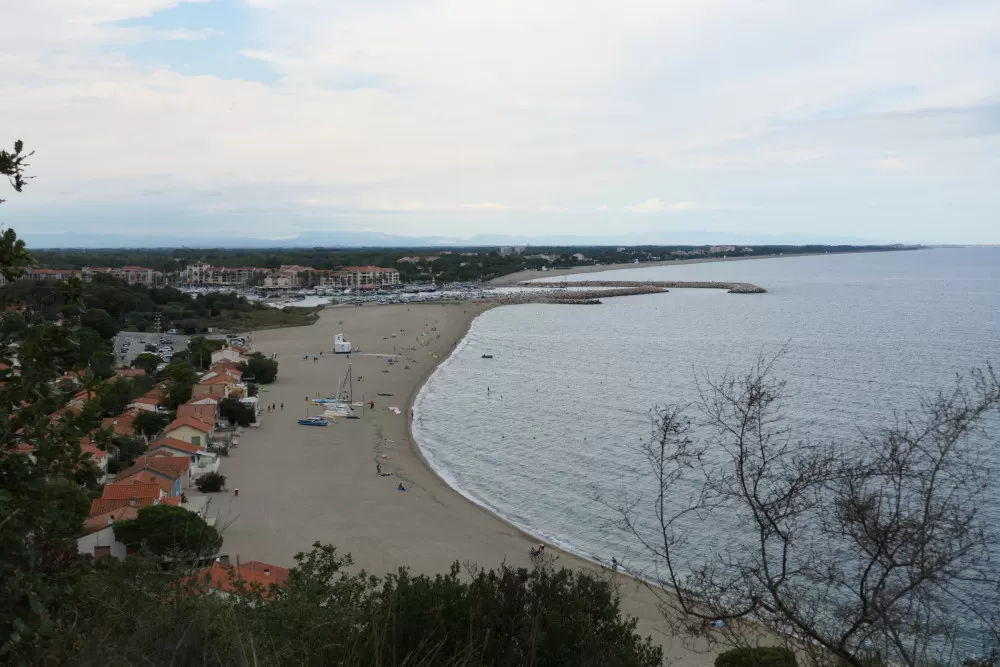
x: 130, y: 372
x: 101, y: 521
x: 174, y: 443
x: 221, y: 378
x: 145, y: 401
x: 203, y: 413
x: 130, y: 489
x: 155, y: 392
x: 84, y: 395
x: 88, y: 447
x: 188, y: 421
x: 122, y: 424
x: 174, y: 501
x: 141, y: 475
x: 100, y: 506
x: 253, y: 572
x: 164, y: 463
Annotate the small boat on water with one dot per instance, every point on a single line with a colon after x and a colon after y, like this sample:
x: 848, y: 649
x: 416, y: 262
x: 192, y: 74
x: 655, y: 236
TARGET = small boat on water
x: 313, y: 421
x: 487, y: 356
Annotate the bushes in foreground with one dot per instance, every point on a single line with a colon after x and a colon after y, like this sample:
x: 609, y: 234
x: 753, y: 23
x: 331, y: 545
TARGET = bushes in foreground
x: 330, y: 616
x: 764, y: 656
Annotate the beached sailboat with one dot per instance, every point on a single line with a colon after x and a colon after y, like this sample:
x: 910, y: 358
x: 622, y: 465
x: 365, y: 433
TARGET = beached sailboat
x: 313, y: 421
x: 342, y: 404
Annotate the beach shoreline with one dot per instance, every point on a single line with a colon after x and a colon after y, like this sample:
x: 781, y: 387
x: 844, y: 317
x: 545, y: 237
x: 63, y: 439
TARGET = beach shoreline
x: 523, y: 276
x: 300, y: 485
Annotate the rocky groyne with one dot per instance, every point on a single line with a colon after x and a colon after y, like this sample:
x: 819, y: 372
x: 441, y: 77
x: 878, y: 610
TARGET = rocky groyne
x: 732, y: 288
x: 577, y: 297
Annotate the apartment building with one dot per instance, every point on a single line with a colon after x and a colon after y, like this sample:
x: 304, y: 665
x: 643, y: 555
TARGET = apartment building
x: 370, y: 277
x: 201, y: 273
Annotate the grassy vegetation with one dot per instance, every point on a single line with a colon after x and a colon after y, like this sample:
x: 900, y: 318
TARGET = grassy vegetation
x: 135, y: 307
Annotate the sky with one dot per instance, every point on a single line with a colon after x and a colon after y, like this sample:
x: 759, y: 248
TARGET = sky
x: 869, y: 119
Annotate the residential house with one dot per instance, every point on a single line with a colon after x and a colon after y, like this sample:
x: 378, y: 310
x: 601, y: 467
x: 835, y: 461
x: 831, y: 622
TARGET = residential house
x: 133, y: 493
x: 202, y: 461
x: 144, y: 403
x: 226, y: 579
x: 122, y: 424
x: 217, y: 385
x: 97, y: 539
x: 190, y: 430
x: 228, y: 354
x: 130, y: 372
x: 165, y: 471
x: 100, y: 458
x: 205, y: 412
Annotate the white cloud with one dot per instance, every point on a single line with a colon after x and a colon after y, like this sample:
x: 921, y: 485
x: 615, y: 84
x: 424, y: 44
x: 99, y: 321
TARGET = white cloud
x: 553, y: 209
x: 657, y: 205
x: 185, y: 35
x: 603, y: 208
x: 413, y: 108
x: 890, y: 162
x: 485, y: 206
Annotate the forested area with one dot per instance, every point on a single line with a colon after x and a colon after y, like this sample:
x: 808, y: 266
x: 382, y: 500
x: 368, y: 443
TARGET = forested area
x: 121, y: 306
x: 448, y: 264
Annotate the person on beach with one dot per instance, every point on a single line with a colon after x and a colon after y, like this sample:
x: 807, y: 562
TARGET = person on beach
x: 282, y: 405
x: 236, y: 492
x: 378, y: 468
x: 614, y: 564
x: 401, y: 487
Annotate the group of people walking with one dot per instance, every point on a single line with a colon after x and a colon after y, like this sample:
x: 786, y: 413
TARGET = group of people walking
x: 274, y: 407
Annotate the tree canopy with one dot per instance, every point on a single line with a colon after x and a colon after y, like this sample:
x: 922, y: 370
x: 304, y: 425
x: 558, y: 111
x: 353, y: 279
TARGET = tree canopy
x: 260, y: 369
x: 169, y: 530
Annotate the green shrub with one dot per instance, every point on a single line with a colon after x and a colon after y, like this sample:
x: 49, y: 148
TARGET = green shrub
x: 763, y: 656
x: 210, y: 482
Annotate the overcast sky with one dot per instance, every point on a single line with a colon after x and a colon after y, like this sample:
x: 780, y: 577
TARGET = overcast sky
x: 876, y: 119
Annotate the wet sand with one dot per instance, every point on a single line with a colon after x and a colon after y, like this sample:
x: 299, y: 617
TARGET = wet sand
x: 301, y: 484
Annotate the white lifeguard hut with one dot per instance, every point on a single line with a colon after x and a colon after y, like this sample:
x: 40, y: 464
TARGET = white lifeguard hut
x: 341, y: 345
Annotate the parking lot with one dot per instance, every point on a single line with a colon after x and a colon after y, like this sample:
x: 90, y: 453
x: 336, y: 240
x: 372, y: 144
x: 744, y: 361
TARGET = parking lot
x: 137, y: 344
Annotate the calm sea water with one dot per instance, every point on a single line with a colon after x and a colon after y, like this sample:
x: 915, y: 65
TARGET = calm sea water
x: 569, y: 386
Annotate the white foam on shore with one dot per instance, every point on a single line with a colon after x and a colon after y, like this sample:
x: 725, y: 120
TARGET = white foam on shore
x: 418, y: 435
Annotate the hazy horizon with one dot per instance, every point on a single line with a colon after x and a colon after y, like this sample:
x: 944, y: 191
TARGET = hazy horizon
x: 271, y: 119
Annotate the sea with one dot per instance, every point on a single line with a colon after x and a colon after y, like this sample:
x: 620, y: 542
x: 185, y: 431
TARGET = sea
x: 547, y: 432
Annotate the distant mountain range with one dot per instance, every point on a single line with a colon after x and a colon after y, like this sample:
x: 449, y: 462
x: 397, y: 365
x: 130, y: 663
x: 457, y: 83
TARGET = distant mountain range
x: 378, y: 240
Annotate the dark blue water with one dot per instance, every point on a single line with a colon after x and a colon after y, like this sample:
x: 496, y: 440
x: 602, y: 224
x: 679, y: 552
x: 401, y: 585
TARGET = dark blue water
x: 569, y: 386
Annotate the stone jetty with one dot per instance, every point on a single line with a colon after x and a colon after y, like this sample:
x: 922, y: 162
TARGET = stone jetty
x: 732, y: 288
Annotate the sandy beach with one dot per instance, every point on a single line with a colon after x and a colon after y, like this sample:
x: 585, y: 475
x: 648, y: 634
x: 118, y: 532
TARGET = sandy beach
x: 522, y: 276
x: 301, y: 484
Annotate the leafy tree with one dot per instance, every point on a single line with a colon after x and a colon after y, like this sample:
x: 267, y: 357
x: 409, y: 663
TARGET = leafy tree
x: 147, y: 361
x: 100, y: 321
x: 259, y: 368
x: 178, y: 393
x: 210, y: 482
x: 182, y: 372
x: 149, y: 424
x: 115, y: 397
x: 102, y: 364
x: 89, y: 343
x: 252, y: 389
x: 168, y: 530
x: 129, y: 447
x: 200, y: 350
x: 12, y: 165
x: 43, y: 476
x: 843, y: 550
x: 235, y: 412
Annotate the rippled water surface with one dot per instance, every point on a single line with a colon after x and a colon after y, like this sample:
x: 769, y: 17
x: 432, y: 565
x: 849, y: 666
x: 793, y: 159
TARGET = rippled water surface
x: 551, y: 422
